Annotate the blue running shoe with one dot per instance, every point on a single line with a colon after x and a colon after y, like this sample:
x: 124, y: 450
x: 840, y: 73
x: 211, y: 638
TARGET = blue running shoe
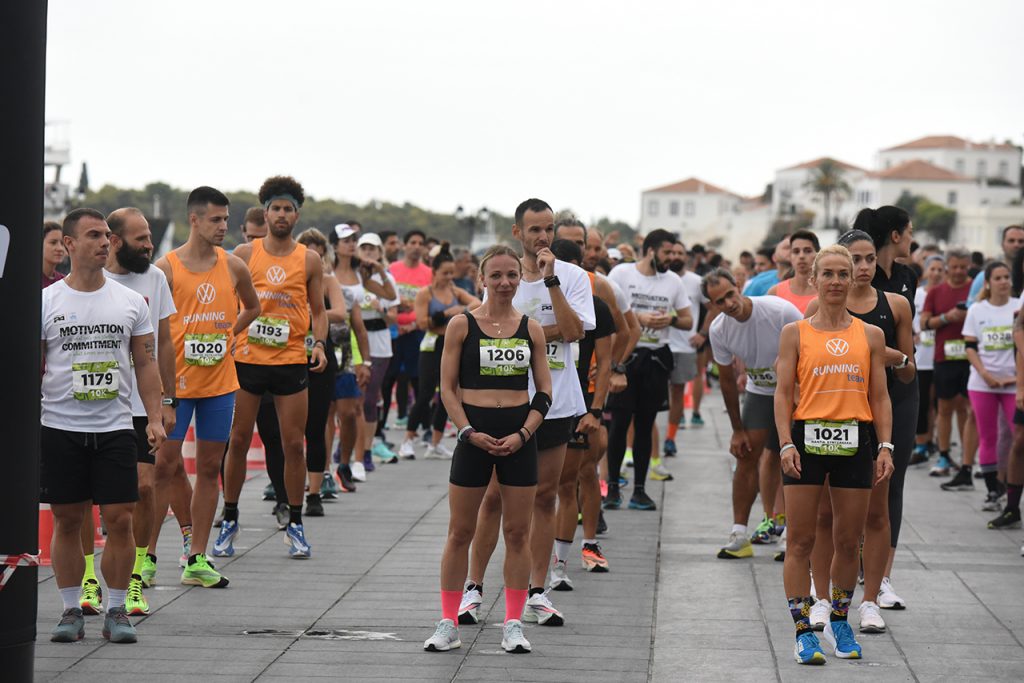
x: 623, y: 482
x: 839, y: 635
x: 808, y: 649
x: 696, y: 420
x: 670, y: 448
x: 368, y: 462
x: 613, y: 501
x: 295, y: 539
x: 641, y: 501
x: 224, y: 545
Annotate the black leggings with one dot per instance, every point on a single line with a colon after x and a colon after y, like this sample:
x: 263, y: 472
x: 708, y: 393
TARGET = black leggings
x: 391, y: 377
x: 270, y: 435
x: 924, y: 401
x: 904, y: 426
x: 321, y: 395
x: 643, y: 420
x: 430, y: 375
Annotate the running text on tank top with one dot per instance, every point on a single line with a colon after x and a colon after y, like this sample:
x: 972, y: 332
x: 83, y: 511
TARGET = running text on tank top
x: 201, y: 330
x: 801, y: 301
x: 277, y: 336
x: 833, y: 372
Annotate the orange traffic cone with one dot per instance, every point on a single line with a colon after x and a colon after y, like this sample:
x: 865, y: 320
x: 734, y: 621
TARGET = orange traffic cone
x: 45, y: 533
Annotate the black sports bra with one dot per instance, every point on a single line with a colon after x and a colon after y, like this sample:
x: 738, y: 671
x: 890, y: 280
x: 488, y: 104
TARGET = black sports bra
x: 495, y: 363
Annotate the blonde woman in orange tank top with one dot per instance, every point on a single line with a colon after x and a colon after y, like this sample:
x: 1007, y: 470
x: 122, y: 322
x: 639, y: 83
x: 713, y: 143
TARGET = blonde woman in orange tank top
x: 798, y: 289
x: 838, y: 362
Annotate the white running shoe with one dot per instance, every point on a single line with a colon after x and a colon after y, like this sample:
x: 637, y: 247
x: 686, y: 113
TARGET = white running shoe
x: 438, y: 452
x: 560, y: 580
x: 358, y: 470
x: 539, y: 610
x: 870, y: 618
x: 512, y: 638
x: 407, y: 451
x: 446, y: 637
x: 887, y: 598
x: 469, y: 608
x: 820, y: 611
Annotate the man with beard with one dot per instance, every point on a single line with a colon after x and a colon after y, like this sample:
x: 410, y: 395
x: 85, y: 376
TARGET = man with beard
x: 687, y: 352
x: 128, y: 263
x: 392, y: 245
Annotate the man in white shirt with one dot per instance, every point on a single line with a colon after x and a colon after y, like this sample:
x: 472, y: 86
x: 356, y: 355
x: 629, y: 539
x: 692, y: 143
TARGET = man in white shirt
x: 686, y: 348
x: 93, y: 332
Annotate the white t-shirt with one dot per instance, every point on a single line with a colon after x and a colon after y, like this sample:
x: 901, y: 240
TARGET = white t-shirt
x: 380, y: 340
x: 992, y: 326
x: 924, y: 352
x: 679, y: 340
x: 153, y: 287
x: 534, y: 299
x: 88, y: 383
x: 755, y: 341
x: 621, y: 300
x: 659, y: 293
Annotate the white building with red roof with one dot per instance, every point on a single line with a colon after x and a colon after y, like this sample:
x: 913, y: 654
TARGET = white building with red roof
x: 994, y: 162
x: 791, y: 194
x: 688, y: 207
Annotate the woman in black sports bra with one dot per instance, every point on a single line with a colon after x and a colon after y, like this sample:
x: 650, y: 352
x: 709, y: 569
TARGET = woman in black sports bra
x: 891, y: 313
x: 488, y: 355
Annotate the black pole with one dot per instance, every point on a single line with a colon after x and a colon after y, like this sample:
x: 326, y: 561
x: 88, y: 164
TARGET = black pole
x: 23, y: 74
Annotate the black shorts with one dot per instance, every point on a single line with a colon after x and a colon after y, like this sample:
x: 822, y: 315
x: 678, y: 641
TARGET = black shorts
x: 472, y: 467
x: 77, y: 466
x: 279, y: 380
x: 142, y: 441
x: 554, y: 432
x: 843, y: 471
x: 950, y: 378
x: 647, y: 378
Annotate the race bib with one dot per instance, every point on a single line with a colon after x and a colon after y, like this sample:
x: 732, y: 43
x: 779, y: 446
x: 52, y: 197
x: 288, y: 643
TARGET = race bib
x: 955, y: 349
x: 927, y: 337
x: 556, y: 358
x: 504, y: 357
x: 97, y: 381
x: 309, y: 342
x: 269, y: 331
x: 997, y: 338
x: 650, y: 335
x: 429, y: 342
x: 831, y: 438
x: 205, y: 349
x: 762, y: 377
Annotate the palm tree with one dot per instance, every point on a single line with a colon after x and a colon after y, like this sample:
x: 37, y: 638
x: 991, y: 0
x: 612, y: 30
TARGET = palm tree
x: 827, y: 180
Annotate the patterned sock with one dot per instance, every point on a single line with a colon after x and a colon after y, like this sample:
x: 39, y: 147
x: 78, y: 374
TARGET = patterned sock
x: 800, y: 610
x: 186, y: 537
x: 840, y: 603
x: 1013, y: 492
x: 515, y: 600
x: 90, y: 567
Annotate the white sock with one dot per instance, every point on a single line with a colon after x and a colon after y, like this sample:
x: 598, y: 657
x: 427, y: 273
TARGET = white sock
x: 591, y: 541
x: 115, y: 598
x: 562, y: 549
x: 739, y: 528
x: 70, y: 596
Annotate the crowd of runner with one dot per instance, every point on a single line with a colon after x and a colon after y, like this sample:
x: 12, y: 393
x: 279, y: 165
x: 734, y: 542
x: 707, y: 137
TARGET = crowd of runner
x: 538, y: 370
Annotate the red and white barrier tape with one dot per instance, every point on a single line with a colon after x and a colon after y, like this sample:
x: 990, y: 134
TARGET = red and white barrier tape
x: 12, y: 562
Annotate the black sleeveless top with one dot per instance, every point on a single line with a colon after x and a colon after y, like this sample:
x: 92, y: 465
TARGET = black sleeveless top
x: 495, y: 363
x: 881, y: 316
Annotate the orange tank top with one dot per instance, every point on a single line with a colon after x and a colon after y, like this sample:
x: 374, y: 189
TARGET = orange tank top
x: 277, y: 336
x: 201, y: 329
x: 801, y: 301
x: 833, y: 371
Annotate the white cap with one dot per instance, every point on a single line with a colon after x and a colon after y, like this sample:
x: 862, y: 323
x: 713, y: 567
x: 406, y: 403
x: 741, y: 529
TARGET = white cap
x: 344, y: 231
x: 370, y: 238
x: 614, y: 253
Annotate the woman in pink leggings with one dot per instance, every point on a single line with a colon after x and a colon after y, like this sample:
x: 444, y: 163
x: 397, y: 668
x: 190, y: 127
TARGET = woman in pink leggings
x: 988, y: 336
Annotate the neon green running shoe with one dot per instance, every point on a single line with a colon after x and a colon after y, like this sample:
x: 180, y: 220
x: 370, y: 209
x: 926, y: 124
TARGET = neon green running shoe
x: 91, y: 600
x: 200, y: 572
x: 148, y: 571
x: 763, y: 533
x: 135, y: 602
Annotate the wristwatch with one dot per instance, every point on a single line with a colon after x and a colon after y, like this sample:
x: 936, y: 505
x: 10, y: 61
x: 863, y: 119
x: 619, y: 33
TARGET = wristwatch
x: 367, y: 363
x: 172, y: 402
x: 552, y: 281
x: 902, y: 364
x: 619, y: 368
x: 886, y: 444
x: 596, y: 412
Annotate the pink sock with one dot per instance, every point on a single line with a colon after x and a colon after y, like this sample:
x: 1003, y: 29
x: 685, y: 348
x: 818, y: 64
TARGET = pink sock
x: 515, y: 600
x: 450, y: 601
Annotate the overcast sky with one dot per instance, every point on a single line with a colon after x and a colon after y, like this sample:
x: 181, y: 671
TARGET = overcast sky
x: 584, y: 104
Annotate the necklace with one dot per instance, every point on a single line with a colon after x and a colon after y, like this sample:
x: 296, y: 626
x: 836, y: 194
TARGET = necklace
x: 498, y: 325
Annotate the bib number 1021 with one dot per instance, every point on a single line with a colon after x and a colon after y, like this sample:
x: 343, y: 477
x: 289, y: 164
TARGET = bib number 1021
x: 831, y: 438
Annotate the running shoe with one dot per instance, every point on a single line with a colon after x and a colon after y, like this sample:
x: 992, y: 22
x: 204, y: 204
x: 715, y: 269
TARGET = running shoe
x: 91, y: 600
x: 358, y: 470
x: 870, y: 618
x: 919, y: 456
x: 839, y: 635
x: 960, y: 482
x: 148, y: 571
x: 269, y: 493
x: 738, y: 547
x: 660, y: 473
x: 295, y: 539
x: 821, y: 612
x: 1010, y: 519
x: 560, y: 580
x: 224, y: 546
x: 941, y: 467
x: 314, y: 506
x: 512, y: 638
x: 368, y: 462
x: 438, y: 452
x: 283, y: 515
x: 613, y: 501
x: 641, y: 501
x: 70, y: 628
x: 427, y: 437
x: 623, y: 482
x: 384, y: 454
x: 593, y: 559
x: 887, y: 598
x: 407, y: 451
x: 345, y: 479
x: 446, y: 637
x: 808, y: 650
x: 627, y: 458
x: 401, y: 422
x: 469, y: 608
x: 117, y: 627
x: 993, y: 502
x: 201, y: 572
x: 602, y: 526
x: 539, y: 610
x: 328, y: 487
x: 696, y: 420
x: 135, y: 602
x: 780, y: 554
x: 764, y: 534
x: 670, y: 449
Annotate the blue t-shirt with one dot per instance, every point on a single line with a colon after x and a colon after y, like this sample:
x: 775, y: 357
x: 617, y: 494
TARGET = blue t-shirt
x: 761, y: 283
x: 979, y: 282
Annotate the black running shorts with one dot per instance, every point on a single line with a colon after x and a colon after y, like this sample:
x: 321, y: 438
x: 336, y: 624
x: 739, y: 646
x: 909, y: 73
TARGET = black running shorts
x: 78, y: 466
x: 843, y: 471
x: 950, y: 378
x: 472, y: 467
x: 142, y: 441
x: 279, y: 380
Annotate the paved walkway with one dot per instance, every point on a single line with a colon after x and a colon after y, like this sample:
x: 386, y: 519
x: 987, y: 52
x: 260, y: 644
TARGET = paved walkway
x: 668, y: 611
